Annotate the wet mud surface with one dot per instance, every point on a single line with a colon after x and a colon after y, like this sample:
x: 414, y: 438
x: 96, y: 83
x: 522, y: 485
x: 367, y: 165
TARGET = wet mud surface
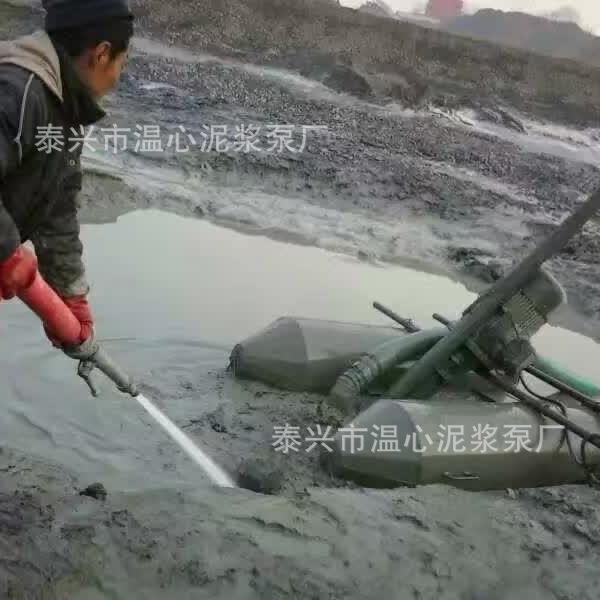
x: 155, y: 527
x: 96, y: 503
x: 432, y: 542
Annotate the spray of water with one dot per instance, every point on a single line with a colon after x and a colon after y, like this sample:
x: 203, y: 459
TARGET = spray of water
x: 210, y: 468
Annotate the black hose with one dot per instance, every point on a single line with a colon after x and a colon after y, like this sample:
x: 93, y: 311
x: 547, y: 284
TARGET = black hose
x: 582, y: 462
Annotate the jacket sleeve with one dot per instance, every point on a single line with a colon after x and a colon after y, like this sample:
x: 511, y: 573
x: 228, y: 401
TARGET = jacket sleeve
x: 10, y: 237
x: 57, y: 241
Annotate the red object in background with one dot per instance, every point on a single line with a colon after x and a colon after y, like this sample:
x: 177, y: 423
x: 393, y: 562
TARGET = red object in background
x: 444, y: 9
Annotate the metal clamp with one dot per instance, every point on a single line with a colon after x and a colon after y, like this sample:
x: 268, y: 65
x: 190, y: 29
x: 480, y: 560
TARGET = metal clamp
x: 99, y: 359
x: 84, y: 370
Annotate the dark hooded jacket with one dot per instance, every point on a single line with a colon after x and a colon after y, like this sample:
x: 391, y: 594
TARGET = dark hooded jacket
x: 43, y: 99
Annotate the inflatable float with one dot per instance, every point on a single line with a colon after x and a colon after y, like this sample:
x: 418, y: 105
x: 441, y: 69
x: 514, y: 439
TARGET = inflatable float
x: 411, y: 392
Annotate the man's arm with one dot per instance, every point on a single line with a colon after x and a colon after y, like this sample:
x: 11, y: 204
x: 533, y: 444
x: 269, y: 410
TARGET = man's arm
x: 23, y: 110
x: 60, y: 250
x: 18, y: 266
x: 10, y: 238
x: 21, y: 113
x: 57, y: 241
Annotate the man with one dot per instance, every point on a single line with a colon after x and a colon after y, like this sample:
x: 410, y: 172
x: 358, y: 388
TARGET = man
x: 51, y: 79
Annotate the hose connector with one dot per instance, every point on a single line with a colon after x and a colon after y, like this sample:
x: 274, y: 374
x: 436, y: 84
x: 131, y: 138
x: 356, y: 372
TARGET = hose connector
x: 345, y: 394
x: 92, y: 356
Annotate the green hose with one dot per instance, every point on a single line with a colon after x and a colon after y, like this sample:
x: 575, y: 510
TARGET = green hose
x: 346, y: 392
x: 581, y: 384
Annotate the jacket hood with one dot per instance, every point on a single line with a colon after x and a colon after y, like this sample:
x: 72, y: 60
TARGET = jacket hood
x: 37, y: 54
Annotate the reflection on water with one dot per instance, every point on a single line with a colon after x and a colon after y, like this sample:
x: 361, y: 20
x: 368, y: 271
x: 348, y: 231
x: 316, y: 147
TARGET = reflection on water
x: 157, y: 274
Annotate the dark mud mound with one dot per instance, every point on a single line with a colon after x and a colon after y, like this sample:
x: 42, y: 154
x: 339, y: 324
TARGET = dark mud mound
x: 499, y: 116
x: 345, y: 79
x: 477, y: 263
x: 336, y: 72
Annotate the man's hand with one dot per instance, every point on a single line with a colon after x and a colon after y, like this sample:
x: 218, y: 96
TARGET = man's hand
x: 17, y: 272
x: 66, y: 319
x: 80, y: 307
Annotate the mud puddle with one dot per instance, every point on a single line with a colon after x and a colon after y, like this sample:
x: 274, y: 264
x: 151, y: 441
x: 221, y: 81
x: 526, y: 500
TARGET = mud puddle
x: 172, y: 296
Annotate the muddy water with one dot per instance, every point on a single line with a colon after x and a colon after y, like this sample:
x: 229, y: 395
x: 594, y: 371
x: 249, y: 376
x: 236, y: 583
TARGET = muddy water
x: 220, y: 286
x: 172, y: 295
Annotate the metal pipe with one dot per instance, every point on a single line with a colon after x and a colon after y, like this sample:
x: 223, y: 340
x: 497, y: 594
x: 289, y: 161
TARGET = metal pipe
x: 440, y: 319
x: 407, y: 324
x: 108, y: 366
x: 101, y: 360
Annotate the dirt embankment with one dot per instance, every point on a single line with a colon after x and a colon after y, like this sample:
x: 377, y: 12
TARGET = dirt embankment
x: 376, y: 56
x: 399, y: 59
x: 563, y: 39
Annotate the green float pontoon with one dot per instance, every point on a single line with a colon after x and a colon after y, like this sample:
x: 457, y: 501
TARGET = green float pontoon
x: 408, y: 394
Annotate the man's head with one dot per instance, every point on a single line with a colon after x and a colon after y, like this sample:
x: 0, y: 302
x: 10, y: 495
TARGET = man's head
x: 96, y: 34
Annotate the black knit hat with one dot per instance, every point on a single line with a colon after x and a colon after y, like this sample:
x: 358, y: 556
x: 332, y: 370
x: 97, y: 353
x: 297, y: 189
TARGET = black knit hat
x: 64, y: 14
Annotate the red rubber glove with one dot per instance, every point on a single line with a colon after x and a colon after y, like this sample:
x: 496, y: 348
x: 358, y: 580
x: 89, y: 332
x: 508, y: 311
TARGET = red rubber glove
x: 80, y: 307
x: 17, y: 272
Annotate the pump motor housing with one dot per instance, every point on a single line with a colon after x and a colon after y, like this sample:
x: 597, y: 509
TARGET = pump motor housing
x: 504, y: 342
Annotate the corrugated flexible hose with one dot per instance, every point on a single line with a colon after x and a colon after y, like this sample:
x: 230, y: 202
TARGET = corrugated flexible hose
x: 353, y: 382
